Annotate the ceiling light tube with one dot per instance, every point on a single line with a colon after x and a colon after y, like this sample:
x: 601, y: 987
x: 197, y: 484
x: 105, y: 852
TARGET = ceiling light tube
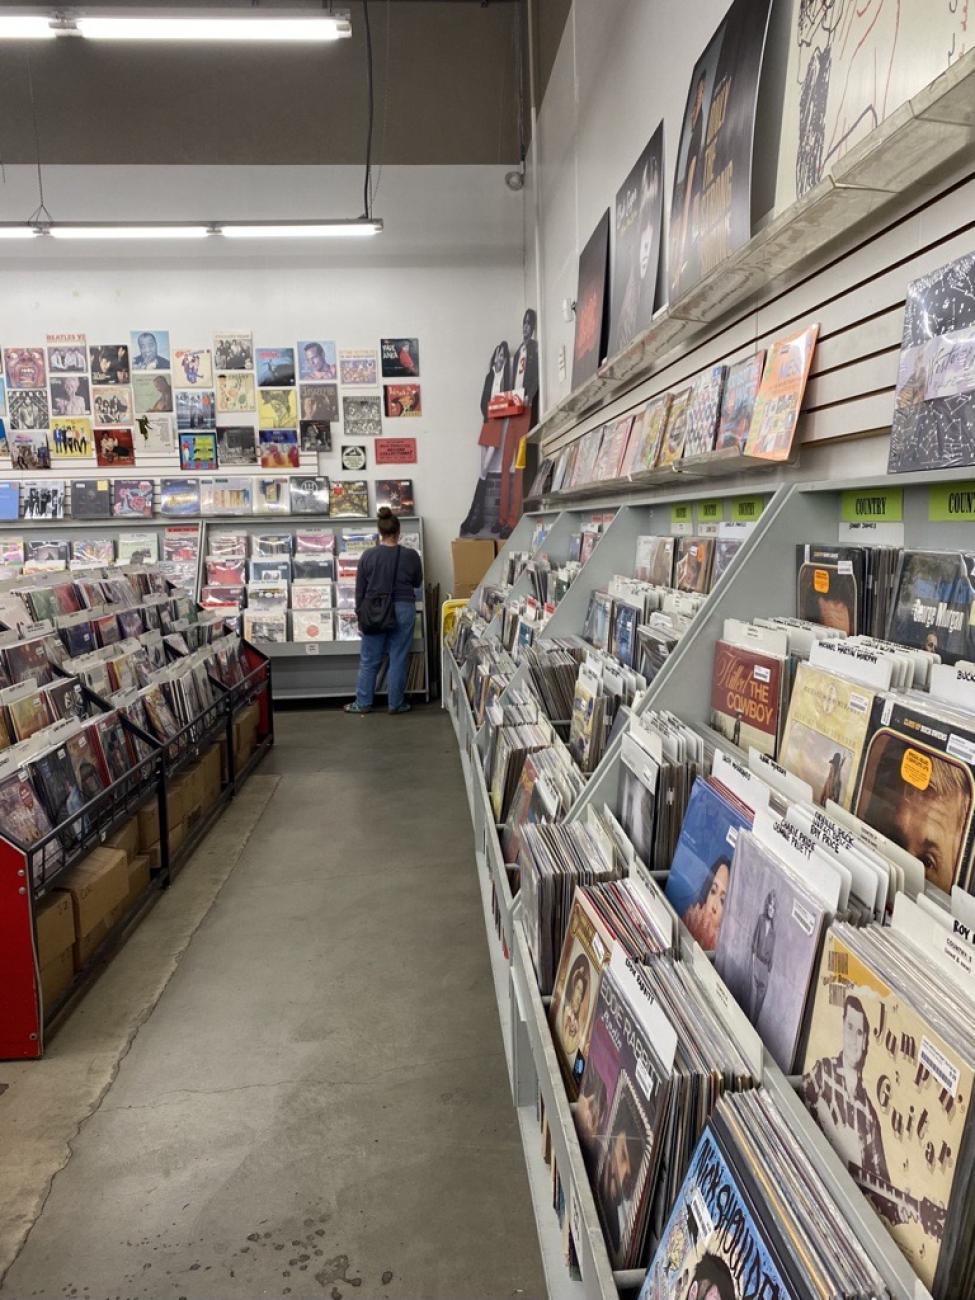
x: 215, y: 28
x: 357, y: 229
x: 19, y: 232
x: 26, y: 28
x: 102, y: 231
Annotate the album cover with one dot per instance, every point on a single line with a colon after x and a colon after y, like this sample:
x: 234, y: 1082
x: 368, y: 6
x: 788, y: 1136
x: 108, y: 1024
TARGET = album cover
x: 934, y: 404
x: 42, y: 498
x: 362, y: 417
x: 192, y: 368
x: 150, y: 350
x: 711, y: 205
x: 109, y: 363
x: 24, y: 367
x: 655, y: 560
x: 114, y: 744
x: 179, y: 497
x: 612, y: 448
x: 402, y: 400
x: 28, y: 410
x: 71, y: 439
x: 725, y: 550
x: 637, y: 226
x: 275, y: 367
x: 353, y: 457
x: 697, y: 1257
x: 825, y: 733
x: 350, y: 499
x: 236, y: 392
x: 315, y: 435
x: 28, y: 714
x: 70, y: 395
x: 92, y: 550
x: 917, y: 787
x: 700, y: 873
x: 4, y: 447
x: 195, y: 409
x: 646, y: 454
x: 621, y: 1115
x: 397, y: 494
x: 66, y: 698
x: 114, y: 448
x: 152, y: 394
x: 112, y: 406
x: 154, y: 435
x: 197, y: 450
x: 693, y: 568
x: 272, y: 496
x: 67, y: 354
x: 746, y: 696
x: 589, y: 347
x: 132, y: 498
x: 91, y: 498
x: 769, y: 946
x: 233, y: 351
x: 738, y: 403
x: 319, y: 402
x: 934, y: 602
x: 277, y: 408
x: 400, y: 358
x: 358, y: 367
x: 309, y: 496
x: 236, y: 445
x: 585, y: 953
x: 9, y: 509
x: 830, y: 586
x: 316, y: 360
x: 312, y: 625
x: 279, y: 449
x: 675, y: 431
x: 703, y: 411
x: 893, y: 1098
x: 780, y: 395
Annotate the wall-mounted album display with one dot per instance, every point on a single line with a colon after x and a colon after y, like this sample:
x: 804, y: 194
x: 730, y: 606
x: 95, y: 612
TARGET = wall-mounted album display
x: 637, y: 224
x: 316, y: 360
x: 276, y: 367
x: 711, y: 209
x: 358, y: 366
x: 402, y: 400
x: 319, y: 402
x: 400, y: 358
x: 362, y: 417
x: 589, y: 347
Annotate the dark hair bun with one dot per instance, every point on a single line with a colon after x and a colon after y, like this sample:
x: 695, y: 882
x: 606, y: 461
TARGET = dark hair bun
x: 384, y: 513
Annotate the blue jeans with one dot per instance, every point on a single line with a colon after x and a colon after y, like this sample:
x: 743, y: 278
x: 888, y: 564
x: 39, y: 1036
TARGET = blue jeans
x: 396, y: 643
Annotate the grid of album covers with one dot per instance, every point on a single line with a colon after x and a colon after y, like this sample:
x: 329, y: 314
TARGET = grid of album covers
x: 226, y: 405
x: 49, y: 498
x: 810, y: 837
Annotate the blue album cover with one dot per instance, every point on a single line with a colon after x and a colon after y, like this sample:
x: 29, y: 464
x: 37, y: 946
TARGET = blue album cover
x: 626, y: 618
x: 9, y: 500
x: 700, y: 873
x: 79, y: 639
x: 712, y: 1245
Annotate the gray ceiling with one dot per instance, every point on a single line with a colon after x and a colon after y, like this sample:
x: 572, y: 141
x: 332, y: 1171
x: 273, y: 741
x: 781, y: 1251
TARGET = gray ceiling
x: 446, y: 76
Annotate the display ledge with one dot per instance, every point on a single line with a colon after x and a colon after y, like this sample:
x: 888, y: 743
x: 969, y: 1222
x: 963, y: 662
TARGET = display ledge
x: 312, y: 649
x: 715, y: 466
x: 908, y: 148
x: 288, y: 518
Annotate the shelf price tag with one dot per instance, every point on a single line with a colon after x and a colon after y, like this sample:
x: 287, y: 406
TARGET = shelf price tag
x: 680, y: 518
x: 951, y: 502
x: 872, y: 505
x: 312, y: 648
x: 747, y: 510
x: 709, y: 515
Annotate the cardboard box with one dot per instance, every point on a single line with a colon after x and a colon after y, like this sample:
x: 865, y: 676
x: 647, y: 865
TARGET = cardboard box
x: 55, y: 926
x: 148, y: 824
x: 210, y: 771
x: 472, y: 557
x: 138, y: 869
x: 98, y: 886
x: 463, y: 591
x: 245, y: 732
x: 126, y: 837
x: 56, y: 975
x: 153, y: 855
x: 179, y: 794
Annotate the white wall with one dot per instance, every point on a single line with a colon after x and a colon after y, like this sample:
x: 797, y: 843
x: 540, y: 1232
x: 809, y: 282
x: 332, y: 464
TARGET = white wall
x: 448, y: 270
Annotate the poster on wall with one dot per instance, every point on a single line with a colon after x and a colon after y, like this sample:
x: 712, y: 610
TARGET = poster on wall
x: 637, y: 221
x: 395, y: 451
x: 400, y: 358
x: 711, y: 209
x: 590, y: 336
x: 850, y: 65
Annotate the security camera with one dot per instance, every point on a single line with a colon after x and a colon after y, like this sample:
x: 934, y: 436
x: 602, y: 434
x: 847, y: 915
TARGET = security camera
x: 515, y: 180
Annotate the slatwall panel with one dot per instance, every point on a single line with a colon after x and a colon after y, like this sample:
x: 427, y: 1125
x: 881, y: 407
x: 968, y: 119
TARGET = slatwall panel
x: 858, y: 299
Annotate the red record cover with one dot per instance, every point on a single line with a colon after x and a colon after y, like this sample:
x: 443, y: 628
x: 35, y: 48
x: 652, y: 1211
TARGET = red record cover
x: 746, y: 697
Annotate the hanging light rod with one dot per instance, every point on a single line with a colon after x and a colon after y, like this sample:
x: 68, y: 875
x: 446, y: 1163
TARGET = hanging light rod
x: 356, y: 228
x: 175, y: 25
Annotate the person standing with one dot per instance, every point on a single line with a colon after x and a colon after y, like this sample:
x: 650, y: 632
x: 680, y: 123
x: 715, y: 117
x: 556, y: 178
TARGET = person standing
x: 396, y: 571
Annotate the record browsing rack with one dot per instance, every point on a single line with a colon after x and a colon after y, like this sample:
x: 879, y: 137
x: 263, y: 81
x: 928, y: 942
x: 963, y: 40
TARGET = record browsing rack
x: 129, y: 720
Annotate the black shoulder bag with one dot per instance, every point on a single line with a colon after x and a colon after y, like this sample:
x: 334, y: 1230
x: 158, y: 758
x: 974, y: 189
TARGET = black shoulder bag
x: 378, y: 613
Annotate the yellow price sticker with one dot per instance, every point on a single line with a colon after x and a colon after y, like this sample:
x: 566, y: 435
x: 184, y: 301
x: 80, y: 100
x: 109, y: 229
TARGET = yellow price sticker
x: 916, y: 769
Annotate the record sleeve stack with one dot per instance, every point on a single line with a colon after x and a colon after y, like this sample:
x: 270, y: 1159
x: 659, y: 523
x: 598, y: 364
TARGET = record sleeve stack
x: 553, y: 666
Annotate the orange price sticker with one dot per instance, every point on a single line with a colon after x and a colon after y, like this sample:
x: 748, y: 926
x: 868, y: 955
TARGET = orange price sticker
x: 821, y: 581
x: 916, y: 769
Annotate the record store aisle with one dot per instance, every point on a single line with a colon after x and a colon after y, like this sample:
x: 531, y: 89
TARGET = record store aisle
x: 318, y: 1104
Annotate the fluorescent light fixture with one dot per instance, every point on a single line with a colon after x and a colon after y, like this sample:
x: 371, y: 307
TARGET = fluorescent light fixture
x: 357, y: 229
x: 27, y: 28
x: 19, y: 232
x: 102, y: 231
x: 320, y: 28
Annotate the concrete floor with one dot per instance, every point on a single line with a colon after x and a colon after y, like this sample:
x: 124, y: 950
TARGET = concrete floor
x: 291, y: 1081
